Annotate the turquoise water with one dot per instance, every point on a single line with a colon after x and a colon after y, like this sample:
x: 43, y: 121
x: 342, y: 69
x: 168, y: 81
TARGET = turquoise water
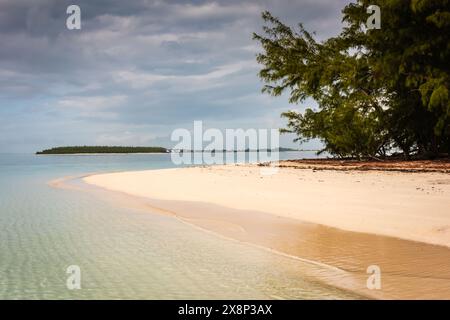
x: 123, y: 253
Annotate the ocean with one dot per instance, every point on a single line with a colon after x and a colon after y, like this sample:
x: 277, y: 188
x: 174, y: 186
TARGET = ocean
x: 125, y: 253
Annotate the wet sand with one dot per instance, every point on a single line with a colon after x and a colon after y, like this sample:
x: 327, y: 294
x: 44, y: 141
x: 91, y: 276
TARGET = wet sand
x: 409, y: 269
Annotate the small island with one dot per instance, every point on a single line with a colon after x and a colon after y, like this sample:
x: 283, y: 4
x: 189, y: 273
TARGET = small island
x: 102, y: 149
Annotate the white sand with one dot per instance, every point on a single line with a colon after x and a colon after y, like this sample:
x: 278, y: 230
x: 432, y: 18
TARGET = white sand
x: 413, y: 206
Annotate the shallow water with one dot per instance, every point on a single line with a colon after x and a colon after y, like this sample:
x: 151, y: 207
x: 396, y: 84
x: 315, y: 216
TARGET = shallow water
x: 124, y: 253
x: 408, y: 269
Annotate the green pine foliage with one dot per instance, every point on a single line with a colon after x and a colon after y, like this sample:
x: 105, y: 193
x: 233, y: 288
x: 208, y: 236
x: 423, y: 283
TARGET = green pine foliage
x: 379, y: 91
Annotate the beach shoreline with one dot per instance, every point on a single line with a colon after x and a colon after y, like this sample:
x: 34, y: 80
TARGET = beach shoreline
x: 409, y: 206
x: 350, y: 252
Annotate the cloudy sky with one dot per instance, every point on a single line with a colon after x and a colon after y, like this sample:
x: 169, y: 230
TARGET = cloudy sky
x: 139, y: 69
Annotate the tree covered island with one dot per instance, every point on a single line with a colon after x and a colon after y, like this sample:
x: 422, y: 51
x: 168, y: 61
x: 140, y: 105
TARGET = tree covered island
x: 102, y: 149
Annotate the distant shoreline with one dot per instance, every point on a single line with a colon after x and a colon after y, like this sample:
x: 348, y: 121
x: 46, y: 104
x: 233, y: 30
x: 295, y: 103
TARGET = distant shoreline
x: 98, y: 154
x: 128, y: 153
x: 101, y: 150
x: 93, y: 150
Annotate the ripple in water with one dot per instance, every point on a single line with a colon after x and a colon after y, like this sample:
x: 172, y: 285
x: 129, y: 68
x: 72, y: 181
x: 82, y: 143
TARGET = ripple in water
x: 124, y: 253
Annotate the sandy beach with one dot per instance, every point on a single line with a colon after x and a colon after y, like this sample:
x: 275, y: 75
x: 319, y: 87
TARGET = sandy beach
x: 346, y: 219
x: 412, y: 206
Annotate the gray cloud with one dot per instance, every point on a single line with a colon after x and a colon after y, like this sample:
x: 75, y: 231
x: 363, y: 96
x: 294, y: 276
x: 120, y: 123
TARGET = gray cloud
x: 137, y: 69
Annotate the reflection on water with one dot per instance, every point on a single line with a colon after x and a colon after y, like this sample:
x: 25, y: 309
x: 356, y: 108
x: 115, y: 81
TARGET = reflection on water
x: 123, y: 253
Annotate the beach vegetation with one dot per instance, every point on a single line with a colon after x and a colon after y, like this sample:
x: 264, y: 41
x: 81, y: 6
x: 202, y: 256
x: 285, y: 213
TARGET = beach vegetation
x: 379, y: 91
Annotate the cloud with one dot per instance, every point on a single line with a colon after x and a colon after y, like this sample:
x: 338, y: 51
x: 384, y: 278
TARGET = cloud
x: 143, y: 67
x: 92, y: 103
x: 125, y: 138
x: 182, y: 82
